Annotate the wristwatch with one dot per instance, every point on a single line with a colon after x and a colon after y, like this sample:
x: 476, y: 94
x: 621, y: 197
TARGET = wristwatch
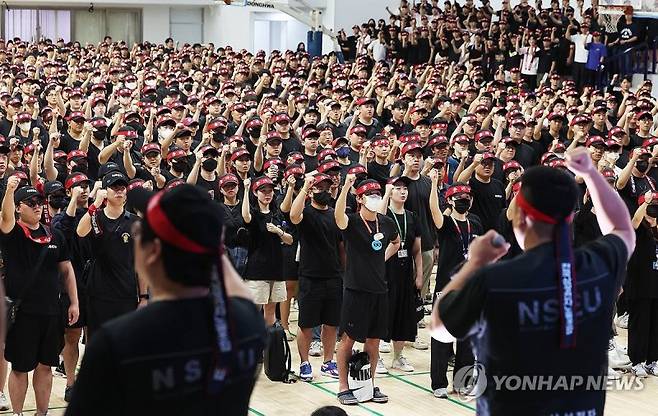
x: 144, y: 296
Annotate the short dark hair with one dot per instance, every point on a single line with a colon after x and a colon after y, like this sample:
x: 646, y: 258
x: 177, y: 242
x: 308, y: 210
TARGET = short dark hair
x: 182, y: 267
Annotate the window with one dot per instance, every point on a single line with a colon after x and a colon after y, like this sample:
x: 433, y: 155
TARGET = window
x: 31, y: 25
x: 121, y: 24
x: 186, y: 25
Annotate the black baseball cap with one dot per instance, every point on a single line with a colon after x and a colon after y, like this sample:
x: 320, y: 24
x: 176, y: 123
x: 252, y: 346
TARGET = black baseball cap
x: 52, y: 186
x: 108, y: 168
x: 26, y: 192
x: 114, y: 178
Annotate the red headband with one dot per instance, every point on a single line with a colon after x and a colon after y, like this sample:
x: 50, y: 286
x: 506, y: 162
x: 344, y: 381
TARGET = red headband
x: 166, y: 231
x: 533, y: 212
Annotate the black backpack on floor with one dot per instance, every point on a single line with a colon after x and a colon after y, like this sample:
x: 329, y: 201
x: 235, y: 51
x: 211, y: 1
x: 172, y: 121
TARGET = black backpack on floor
x: 277, y: 357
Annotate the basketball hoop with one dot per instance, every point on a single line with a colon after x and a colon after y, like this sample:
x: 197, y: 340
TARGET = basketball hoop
x: 609, y: 16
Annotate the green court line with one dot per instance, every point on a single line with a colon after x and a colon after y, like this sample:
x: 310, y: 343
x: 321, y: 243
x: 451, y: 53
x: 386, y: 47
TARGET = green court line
x: 430, y: 391
x: 256, y: 412
x: 334, y: 394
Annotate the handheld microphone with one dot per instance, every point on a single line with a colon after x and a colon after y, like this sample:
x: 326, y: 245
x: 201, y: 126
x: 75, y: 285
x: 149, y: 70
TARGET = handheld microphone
x: 498, y: 241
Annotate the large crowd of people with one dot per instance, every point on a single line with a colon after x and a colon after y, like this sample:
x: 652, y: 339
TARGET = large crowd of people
x: 342, y: 179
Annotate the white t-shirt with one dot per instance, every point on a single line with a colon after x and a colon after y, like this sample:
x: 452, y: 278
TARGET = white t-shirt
x: 580, y: 54
x: 529, y: 61
x: 378, y: 50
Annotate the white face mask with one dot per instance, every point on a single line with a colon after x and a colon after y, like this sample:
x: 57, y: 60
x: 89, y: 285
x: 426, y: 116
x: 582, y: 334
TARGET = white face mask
x: 24, y: 126
x: 373, y: 202
x: 131, y: 85
x: 150, y: 83
x: 612, y: 156
x: 165, y: 132
x: 96, y: 80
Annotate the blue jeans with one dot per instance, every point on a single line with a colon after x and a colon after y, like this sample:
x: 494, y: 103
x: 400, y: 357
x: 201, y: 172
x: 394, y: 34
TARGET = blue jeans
x: 238, y: 256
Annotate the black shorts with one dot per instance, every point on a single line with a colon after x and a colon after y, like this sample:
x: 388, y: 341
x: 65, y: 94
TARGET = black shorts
x: 65, y: 302
x: 319, y: 302
x: 100, y: 311
x: 364, y: 315
x: 34, y: 339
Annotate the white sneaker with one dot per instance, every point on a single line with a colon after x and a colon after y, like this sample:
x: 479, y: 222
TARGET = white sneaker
x: 421, y: 323
x: 612, y: 374
x: 402, y: 364
x: 615, y: 359
x: 620, y: 348
x: 381, y: 368
x: 4, y: 403
x: 651, y: 368
x: 316, y: 349
x: 639, y: 371
x: 384, y: 347
x: 419, y: 344
x: 441, y: 393
x: 622, y: 321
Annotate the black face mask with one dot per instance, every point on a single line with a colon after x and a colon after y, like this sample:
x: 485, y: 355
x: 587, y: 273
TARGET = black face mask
x: 218, y: 137
x: 180, y: 166
x: 58, y: 202
x: 254, y: 133
x: 299, y: 183
x: 209, y: 165
x: 642, y: 166
x: 462, y: 205
x: 82, y: 167
x: 652, y: 211
x: 100, y: 134
x: 322, y: 198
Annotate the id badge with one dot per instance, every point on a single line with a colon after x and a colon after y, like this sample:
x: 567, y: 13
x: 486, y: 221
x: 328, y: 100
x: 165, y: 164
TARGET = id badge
x: 402, y: 254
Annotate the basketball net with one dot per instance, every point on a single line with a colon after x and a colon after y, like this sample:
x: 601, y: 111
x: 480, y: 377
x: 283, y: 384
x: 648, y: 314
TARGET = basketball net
x: 609, y: 16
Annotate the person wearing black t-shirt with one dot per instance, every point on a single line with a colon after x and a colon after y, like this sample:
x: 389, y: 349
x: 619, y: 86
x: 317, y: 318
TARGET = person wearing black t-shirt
x: 370, y: 239
x: 457, y: 228
x: 495, y: 300
x: 418, y: 187
x: 641, y: 289
x: 320, y: 269
x: 633, y: 180
x: 35, y: 260
x: 264, y: 272
x: 113, y: 288
x: 77, y: 187
x: 236, y: 236
x: 404, y: 274
x: 204, y: 171
x: 488, y: 193
x: 379, y: 168
x: 194, y: 291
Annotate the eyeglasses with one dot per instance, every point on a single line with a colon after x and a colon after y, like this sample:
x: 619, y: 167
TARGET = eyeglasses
x: 33, y: 202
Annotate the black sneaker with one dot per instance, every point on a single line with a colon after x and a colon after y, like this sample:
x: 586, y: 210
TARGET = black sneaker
x: 378, y: 396
x: 59, y: 370
x: 67, y: 393
x: 346, y: 398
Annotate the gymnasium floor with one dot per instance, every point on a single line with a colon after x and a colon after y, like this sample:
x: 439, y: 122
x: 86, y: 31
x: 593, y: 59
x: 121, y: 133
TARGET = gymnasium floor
x: 409, y: 393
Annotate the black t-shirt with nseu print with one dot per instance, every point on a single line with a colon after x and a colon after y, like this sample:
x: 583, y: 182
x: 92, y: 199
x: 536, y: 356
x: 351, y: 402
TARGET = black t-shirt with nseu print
x: 169, y: 363
x: 366, y: 267
x: 20, y: 255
